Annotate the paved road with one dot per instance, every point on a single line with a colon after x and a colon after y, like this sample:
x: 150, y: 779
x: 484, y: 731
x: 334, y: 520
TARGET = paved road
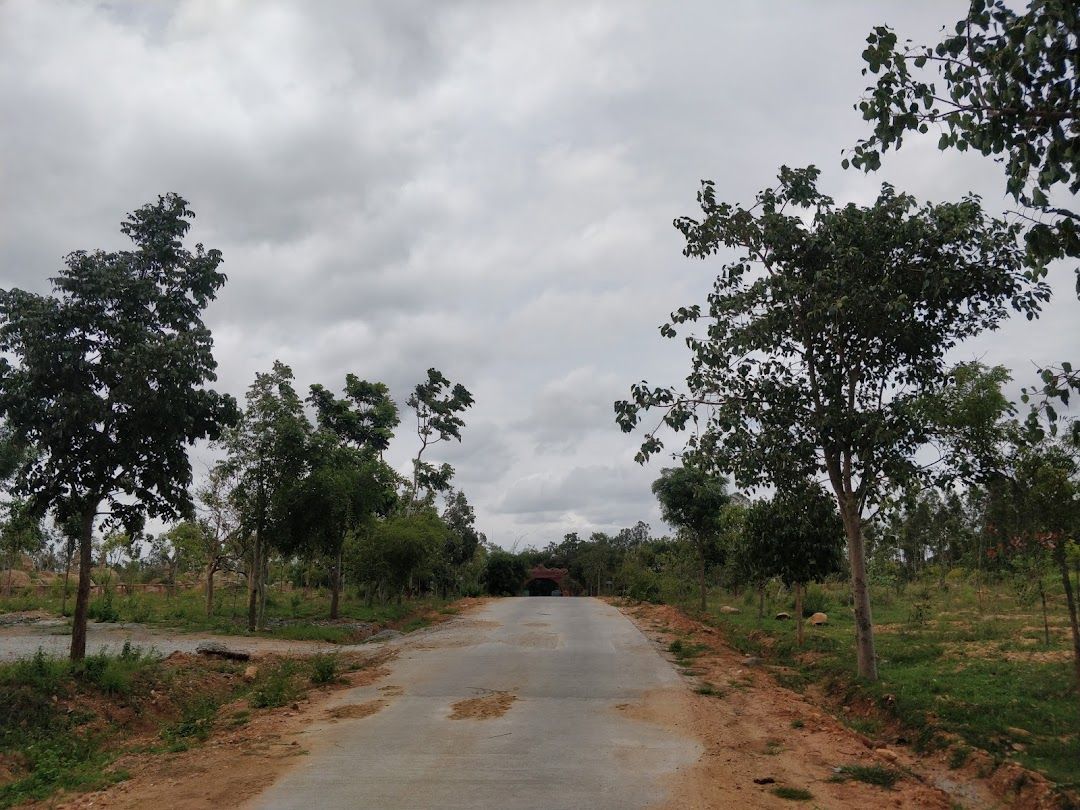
x: 562, y: 744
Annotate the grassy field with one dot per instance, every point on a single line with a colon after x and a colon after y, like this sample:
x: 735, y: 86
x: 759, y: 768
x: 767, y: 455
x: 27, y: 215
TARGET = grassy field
x: 290, y: 615
x: 954, y: 660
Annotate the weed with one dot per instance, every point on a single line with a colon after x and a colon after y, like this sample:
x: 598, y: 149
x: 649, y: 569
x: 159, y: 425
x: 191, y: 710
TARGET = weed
x: 711, y: 690
x: 276, y: 688
x: 792, y: 793
x: 959, y: 756
x: 870, y: 774
x: 797, y: 724
x: 196, y: 721
x: 324, y: 668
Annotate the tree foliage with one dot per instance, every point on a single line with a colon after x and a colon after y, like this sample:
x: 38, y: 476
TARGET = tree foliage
x: 105, y: 379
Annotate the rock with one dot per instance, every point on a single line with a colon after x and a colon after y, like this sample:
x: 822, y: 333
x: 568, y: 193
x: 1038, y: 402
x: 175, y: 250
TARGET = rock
x: 885, y: 753
x: 251, y: 673
x: 219, y: 650
x: 729, y: 609
x: 1018, y: 732
x: 752, y: 661
x: 385, y: 635
x: 782, y: 615
x: 819, y: 618
x: 764, y: 780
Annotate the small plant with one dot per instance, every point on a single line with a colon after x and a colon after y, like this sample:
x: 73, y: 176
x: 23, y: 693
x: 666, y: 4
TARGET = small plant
x: 797, y: 724
x: 103, y: 609
x: 959, y: 756
x: 276, y: 689
x: 324, y: 668
x: 870, y: 774
x: 196, y: 721
x: 710, y: 690
x: 295, y: 601
x: 794, y: 794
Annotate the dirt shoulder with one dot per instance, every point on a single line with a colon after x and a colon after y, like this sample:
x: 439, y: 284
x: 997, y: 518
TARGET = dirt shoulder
x: 761, y: 739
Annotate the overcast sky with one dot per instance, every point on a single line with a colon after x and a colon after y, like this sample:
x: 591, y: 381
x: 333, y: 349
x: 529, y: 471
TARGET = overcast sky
x: 486, y: 188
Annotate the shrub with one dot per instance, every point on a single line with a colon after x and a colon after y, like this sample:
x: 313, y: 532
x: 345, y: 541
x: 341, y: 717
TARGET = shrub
x: 103, y: 609
x: 323, y: 668
x: 815, y: 600
x: 276, y: 689
x: 870, y: 774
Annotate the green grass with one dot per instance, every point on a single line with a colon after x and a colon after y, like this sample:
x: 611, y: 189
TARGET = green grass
x: 324, y: 668
x: 946, y: 672
x: 870, y: 774
x: 792, y: 793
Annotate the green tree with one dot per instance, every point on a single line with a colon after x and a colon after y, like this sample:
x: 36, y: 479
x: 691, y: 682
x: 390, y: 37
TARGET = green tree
x: 797, y: 537
x: 364, y: 418
x: 105, y: 379
x: 220, y: 540
x: 693, y: 500
x: 1004, y: 83
x: 438, y: 404
x: 343, y: 489
x: 399, y: 552
x: 823, y: 335
x: 504, y: 573
x: 266, y: 456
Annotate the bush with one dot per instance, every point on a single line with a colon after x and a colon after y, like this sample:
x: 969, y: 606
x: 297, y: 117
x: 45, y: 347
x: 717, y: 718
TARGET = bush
x: 815, y: 600
x: 276, y: 689
x: 103, y: 610
x: 196, y: 721
x: 323, y: 668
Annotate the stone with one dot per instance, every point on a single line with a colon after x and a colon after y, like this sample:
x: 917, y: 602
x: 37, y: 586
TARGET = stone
x: 752, y: 661
x: 819, y: 618
x: 251, y: 673
x: 885, y: 753
x: 218, y: 650
x: 782, y: 615
x: 729, y: 609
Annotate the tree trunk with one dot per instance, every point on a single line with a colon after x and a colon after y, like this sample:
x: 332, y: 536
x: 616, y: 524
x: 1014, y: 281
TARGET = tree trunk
x: 701, y: 576
x: 1046, y: 620
x: 210, y: 570
x: 1070, y: 601
x: 335, y: 586
x: 254, y: 576
x: 798, y: 614
x: 67, y: 573
x: 860, y: 591
x: 264, y: 586
x: 82, y: 597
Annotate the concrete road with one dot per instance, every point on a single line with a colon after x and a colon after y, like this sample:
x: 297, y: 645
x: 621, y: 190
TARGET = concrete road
x: 571, y: 663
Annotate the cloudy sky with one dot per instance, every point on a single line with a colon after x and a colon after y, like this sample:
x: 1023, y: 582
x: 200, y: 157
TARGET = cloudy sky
x: 484, y: 187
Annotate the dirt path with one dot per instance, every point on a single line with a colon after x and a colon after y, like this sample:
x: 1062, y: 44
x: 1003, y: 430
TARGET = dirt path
x: 758, y: 736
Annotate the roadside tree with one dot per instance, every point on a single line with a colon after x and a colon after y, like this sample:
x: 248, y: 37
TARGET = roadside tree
x: 106, y: 378
x: 823, y: 335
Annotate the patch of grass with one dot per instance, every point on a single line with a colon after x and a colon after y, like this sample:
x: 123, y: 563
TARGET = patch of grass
x: 196, y: 721
x: 313, y: 632
x: 710, y: 690
x: 324, y: 668
x: 276, y: 687
x: 685, y: 651
x: 870, y: 774
x: 797, y: 724
x: 792, y: 793
x: 959, y: 756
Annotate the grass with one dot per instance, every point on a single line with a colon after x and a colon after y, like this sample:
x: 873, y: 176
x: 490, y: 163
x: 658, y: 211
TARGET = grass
x: 792, y: 793
x: 870, y: 774
x: 964, y: 664
x: 60, y: 728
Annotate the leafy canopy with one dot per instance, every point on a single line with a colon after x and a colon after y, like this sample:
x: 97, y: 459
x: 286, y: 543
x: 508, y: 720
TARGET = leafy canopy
x: 822, y: 334
x: 105, y: 377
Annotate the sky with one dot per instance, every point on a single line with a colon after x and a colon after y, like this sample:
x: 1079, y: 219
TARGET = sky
x: 482, y: 187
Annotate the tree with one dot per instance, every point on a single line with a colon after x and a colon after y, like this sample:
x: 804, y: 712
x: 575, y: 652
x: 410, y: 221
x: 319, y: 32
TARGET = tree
x: 438, y: 404
x: 220, y: 537
x: 399, y: 551
x: 266, y: 455
x: 347, y: 483
x: 823, y: 335
x: 20, y: 533
x: 105, y: 380
x: 1036, y: 511
x: 1009, y: 87
x: 504, y: 573
x: 462, y: 537
x: 797, y: 536
x: 343, y: 489
x: 693, y: 500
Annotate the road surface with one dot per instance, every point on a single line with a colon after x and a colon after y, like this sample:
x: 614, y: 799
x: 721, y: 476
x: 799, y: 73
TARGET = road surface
x: 567, y: 668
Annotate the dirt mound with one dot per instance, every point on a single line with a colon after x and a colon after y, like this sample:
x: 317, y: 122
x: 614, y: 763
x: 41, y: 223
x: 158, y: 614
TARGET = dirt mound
x: 483, y: 708
x: 353, y: 711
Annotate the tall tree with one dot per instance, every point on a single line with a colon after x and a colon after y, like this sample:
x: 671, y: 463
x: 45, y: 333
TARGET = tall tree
x: 266, y: 455
x: 823, y: 335
x: 693, y: 500
x: 105, y: 379
x: 438, y: 404
x: 1005, y: 83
